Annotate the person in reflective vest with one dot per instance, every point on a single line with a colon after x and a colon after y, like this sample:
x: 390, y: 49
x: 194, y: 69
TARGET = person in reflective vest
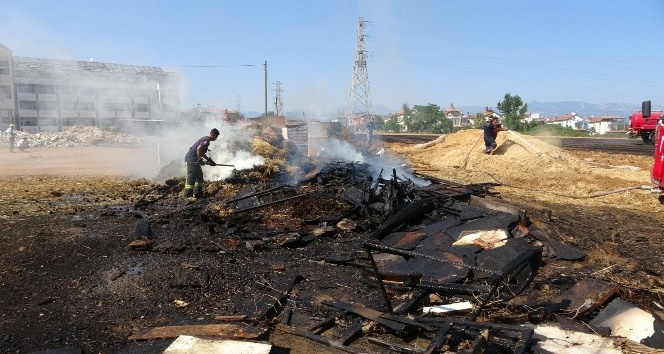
x: 11, y: 135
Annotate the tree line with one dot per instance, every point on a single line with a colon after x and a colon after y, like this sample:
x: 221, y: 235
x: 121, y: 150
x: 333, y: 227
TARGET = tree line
x: 431, y: 119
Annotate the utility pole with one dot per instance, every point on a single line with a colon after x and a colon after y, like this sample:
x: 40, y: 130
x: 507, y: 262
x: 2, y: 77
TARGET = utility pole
x: 265, y: 88
x: 238, y: 104
x: 359, y: 110
x: 277, y: 99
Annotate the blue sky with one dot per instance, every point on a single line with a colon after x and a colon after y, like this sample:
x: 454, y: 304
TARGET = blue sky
x: 419, y: 51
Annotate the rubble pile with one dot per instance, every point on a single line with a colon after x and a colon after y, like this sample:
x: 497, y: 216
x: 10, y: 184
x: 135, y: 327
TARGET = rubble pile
x: 77, y: 136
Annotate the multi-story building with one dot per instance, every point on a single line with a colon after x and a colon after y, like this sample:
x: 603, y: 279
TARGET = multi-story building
x: 39, y: 94
x: 459, y: 120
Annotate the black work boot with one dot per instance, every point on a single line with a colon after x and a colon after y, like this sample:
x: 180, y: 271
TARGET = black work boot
x: 198, y: 192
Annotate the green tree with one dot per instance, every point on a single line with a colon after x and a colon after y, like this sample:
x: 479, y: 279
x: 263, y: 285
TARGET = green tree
x: 407, y: 119
x: 236, y: 117
x: 379, y: 122
x: 430, y: 119
x: 478, y: 121
x: 513, y: 110
x: 392, y: 124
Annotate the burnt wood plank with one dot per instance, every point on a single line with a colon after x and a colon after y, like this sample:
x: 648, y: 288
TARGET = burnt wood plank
x: 367, y: 313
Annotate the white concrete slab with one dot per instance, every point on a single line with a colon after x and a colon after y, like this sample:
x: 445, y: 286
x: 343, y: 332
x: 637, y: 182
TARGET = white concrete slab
x: 560, y: 341
x: 196, y: 345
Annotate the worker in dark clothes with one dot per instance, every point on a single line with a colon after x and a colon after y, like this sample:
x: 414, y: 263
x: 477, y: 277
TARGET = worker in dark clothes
x: 195, y: 158
x: 491, y: 128
x: 371, y: 127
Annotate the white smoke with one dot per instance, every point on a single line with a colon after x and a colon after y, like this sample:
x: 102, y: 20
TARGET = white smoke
x: 228, y: 149
x: 340, y: 150
x: 380, y: 164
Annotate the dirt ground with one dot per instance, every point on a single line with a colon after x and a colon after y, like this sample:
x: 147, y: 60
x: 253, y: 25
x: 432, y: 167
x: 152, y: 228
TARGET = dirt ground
x: 63, y: 264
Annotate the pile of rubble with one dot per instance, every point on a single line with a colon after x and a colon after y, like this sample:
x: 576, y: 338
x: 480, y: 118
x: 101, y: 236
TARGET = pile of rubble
x: 441, y: 267
x: 76, y: 136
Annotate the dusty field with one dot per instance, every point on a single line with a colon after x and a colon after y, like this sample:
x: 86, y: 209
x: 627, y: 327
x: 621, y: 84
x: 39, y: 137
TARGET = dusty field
x: 62, y: 262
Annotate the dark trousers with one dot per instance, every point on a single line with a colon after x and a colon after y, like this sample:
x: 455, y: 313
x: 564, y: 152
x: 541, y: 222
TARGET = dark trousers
x: 489, y: 143
x: 193, y: 185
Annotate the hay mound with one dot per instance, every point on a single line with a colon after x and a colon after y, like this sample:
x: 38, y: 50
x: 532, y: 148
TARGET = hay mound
x: 275, y: 158
x: 525, y: 164
x: 465, y: 150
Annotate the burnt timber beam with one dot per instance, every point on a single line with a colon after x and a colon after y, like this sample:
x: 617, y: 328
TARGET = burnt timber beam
x: 317, y: 338
x: 370, y: 314
x: 270, y: 203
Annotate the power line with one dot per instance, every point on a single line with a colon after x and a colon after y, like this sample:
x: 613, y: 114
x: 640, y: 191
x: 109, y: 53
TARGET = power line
x: 214, y: 66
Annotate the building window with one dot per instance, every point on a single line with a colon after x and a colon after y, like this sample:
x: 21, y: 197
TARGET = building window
x: 86, y: 121
x: 27, y: 104
x: 71, y: 106
x: 68, y: 90
x: 5, y: 91
x: 69, y: 121
x: 142, y: 107
x: 29, y: 121
x: 45, y: 89
x: 46, y: 105
x: 108, y: 122
x: 86, y: 106
x: 47, y: 122
x: 4, y: 67
x: 25, y: 88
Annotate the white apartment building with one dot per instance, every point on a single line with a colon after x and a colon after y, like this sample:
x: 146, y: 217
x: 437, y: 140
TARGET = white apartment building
x: 38, y: 94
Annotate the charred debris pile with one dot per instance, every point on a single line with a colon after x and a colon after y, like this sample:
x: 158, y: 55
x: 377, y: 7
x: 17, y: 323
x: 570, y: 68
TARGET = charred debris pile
x: 366, y: 262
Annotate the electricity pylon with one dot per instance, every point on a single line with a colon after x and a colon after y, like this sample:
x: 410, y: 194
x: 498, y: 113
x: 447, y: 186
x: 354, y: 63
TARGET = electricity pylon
x: 359, y: 110
x: 278, y: 105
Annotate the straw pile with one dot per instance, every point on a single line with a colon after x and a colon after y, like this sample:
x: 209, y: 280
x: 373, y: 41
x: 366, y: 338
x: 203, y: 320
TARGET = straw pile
x: 528, y: 167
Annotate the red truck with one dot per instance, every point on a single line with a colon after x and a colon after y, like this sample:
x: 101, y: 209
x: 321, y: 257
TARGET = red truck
x: 643, y: 125
x: 658, y: 139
